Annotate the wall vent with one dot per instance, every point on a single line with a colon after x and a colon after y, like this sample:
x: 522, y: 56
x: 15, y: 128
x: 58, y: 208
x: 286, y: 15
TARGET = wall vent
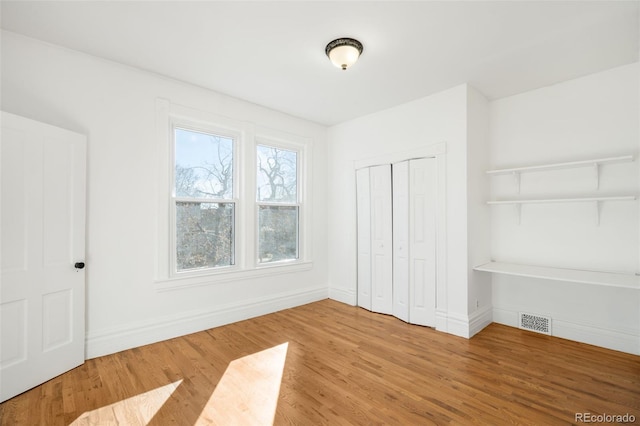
x: 534, y: 322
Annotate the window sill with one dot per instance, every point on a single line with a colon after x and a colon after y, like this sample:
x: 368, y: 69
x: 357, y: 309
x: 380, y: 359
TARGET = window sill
x: 223, y: 276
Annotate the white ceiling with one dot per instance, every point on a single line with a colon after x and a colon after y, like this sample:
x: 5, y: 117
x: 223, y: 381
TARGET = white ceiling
x: 272, y: 53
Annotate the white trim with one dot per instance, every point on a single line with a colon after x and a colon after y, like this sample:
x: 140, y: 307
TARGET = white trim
x: 619, y: 340
x: 433, y: 150
x: 342, y: 295
x: 458, y: 325
x: 223, y: 275
x: 441, y: 320
x: 276, y: 204
x: 247, y: 195
x: 479, y: 319
x: 465, y: 326
x: 437, y: 150
x: 302, y: 147
x: 441, y: 239
x: 271, y: 137
x: 108, y: 341
x: 245, y: 135
x: 205, y: 119
x: 163, y: 227
x: 236, y: 135
x: 167, y: 116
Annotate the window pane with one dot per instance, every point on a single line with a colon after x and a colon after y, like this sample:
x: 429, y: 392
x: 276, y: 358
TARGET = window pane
x: 278, y: 239
x: 204, y: 235
x: 204, y: 165
x: 277, y: 174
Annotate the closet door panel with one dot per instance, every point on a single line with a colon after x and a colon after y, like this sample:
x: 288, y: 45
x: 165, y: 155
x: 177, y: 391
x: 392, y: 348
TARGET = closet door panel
x: 364, y: 237
x: 420, y: 298
x: 422, y: 247
x: 381, y: 239
x: 401, y: 240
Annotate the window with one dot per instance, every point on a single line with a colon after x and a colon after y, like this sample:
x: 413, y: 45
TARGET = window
x: 234, y: 201
x: 278, y: 204
x: 203, y: 200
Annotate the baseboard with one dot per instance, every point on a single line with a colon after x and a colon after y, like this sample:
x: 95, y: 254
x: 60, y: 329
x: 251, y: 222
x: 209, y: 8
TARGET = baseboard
x: 441, y: 321
x: 479, y: 319
x: 458, y: 325
x: 619, y: 340
x: 105, y: 342
x: 465, y: 326
x: 345, y: 296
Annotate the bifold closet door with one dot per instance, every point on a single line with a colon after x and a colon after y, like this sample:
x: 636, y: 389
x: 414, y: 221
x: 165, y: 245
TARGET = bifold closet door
x: 363, y: 207
x: 396, y: 239
x: 375, y: 245
x: 401, y: 240
x: 381, y: 239
x: 414, y: 254
x: 422, y: 241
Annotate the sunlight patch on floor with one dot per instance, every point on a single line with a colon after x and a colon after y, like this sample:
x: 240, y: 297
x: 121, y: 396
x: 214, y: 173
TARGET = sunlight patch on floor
x: 137, y: 410
x: 247, y: 393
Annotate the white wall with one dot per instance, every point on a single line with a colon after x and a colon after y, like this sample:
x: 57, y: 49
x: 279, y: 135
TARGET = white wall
x: 115, y: 107
x: 590, y: 117
x: 428, y: 121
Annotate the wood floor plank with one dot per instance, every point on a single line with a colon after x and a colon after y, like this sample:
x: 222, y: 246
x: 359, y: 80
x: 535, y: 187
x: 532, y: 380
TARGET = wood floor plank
x: 344, y: 366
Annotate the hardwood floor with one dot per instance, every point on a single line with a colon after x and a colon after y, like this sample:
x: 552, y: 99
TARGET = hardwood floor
x: 342, y: 365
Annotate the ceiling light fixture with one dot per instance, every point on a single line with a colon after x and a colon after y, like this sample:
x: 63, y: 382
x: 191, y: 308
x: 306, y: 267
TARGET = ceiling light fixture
x: 343, y: 52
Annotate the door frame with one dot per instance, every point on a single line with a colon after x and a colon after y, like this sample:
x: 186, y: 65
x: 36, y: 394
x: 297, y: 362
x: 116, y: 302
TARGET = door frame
x: 47, y: 287
x: 439, y: 152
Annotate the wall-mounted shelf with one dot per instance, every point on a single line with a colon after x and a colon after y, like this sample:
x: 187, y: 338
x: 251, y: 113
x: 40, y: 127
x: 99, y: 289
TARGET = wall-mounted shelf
x: 566, y: 165
x: 596, y: 200
x: 608, y: 279
x: 595, y: 163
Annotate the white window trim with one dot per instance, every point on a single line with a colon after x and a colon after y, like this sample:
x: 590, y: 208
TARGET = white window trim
x: 237, y: 137
x: 301, y: 146
x: 221, y: 277
x: 247, y: 137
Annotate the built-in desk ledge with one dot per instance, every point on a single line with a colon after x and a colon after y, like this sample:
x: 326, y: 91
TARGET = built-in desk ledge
x: 565, y: 200
x: 608, y: 279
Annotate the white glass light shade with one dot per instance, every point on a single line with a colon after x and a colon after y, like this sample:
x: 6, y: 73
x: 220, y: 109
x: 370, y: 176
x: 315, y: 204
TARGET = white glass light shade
x: 344, y: 56
x: 344, y: 52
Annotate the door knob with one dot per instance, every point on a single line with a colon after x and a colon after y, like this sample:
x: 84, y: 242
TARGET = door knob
x: 79, y: 265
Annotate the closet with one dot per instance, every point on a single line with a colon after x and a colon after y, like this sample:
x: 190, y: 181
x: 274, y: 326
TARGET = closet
x: 396, y: 215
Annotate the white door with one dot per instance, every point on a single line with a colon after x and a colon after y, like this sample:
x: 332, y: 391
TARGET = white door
x: 42, y: 227
x: 422, y: 241
x: 401, y: 240
x: 364, y: 238
x: 381, y: 240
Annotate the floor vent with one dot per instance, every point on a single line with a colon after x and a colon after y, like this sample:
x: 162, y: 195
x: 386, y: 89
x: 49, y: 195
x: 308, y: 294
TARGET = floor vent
x: 537, y: 323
